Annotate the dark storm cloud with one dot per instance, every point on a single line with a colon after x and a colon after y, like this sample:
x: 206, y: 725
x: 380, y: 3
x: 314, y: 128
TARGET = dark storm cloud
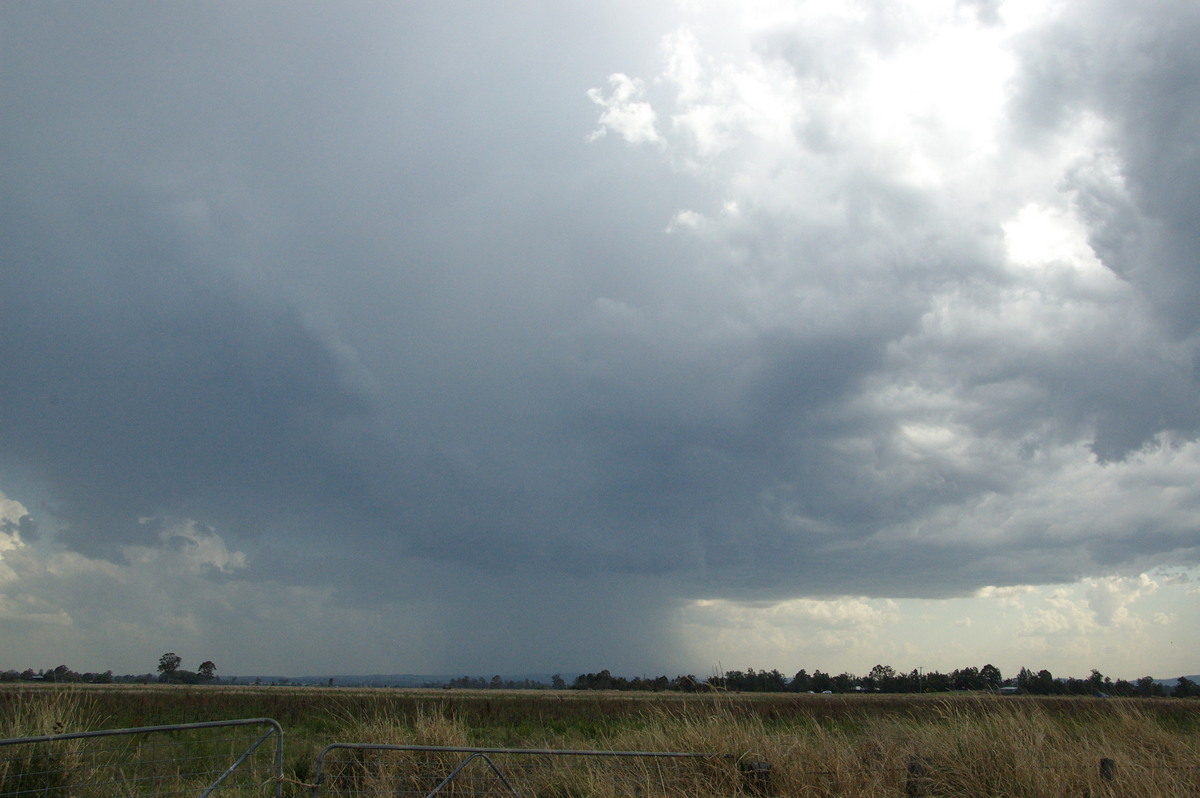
x: 302, y: 282
x: 1134, y: 67
x: 143, y: 373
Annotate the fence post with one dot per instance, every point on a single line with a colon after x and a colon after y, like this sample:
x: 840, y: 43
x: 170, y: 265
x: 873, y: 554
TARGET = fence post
x: 757, y: 777
x: 917, y: 780
x: 1108, y: 769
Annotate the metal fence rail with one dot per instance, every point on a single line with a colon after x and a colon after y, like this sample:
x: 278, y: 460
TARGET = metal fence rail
x: 345, y: 770
x: 194, y: 759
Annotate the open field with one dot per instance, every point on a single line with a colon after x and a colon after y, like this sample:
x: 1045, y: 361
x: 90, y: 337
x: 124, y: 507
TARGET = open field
x: 843, y: 745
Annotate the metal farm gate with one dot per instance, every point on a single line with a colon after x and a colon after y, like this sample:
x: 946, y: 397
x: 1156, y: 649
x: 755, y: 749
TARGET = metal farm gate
x: 245, y: 758
x: 194, y: 759
x: 234, y: 758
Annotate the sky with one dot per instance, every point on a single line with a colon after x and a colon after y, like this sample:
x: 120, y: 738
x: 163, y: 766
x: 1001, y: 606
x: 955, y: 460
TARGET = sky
x: 667, y: 337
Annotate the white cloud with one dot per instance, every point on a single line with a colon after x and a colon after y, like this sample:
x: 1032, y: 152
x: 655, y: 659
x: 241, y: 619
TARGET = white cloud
x: 807, y: 630
x: 11, y: 544
x: 686, y: 221
x: 1009, y: 597
x: 1108, y: 623
x: 1065, y: 616
x: 625, y: 114
x: 1109, y: 598
x: 188, y: 547
x: 1039, y: 235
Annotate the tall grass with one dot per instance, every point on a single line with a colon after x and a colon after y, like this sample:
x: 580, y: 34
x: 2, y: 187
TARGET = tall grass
x: 953, y: 747
x: 844, y: 746
x: 982, y: 747
x: 47, y: 768
x: 1019, y: 749
x: 33, y: 713
x: 181, y: 762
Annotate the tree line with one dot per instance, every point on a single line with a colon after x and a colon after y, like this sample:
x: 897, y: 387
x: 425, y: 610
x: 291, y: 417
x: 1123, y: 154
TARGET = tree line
x: 880, y: 679
x: 497, y: 682
x: 169, y: 672
x: 885, y: 679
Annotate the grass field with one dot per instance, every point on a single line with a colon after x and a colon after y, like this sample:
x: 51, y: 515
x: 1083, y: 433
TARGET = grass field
x: 820, y: 745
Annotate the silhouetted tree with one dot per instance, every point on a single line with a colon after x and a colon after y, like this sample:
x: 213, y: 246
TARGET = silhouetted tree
x: 167, y: 665
x: 801, y: 682
x: 1185, y: 688
x: 821, y: 681
x: 965, y: 679
x: 934, y: 682
x: 882, y: 678
x: 990, y: 676
x: 1147, y: 687
x: 844, y: 682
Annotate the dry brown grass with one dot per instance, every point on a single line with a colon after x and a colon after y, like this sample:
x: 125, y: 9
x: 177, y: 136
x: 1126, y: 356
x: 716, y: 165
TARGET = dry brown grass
x: 33, y: 713
x: 845, y: 746
x: 982, y: 746
x: 38, y: 714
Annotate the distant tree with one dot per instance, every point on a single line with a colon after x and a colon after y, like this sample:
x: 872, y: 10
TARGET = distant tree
x: 881, y: 678
x: 186, y: 677
x: 596, y: 681
x: 801, y: 682
x: 688, y: 684
x: 167, y: 665
x: 990, y: 676
x: 557, y: 682
x: 821, y: 681
x: 207, y: 671
x: 1097, y: 682
x: 772, y: 681
x: 965, y: 679
x: 752, y: 681
x: 934, y: 682
x: 729, y: 680
x: 62, y: 674
x: 1047, y: 684
x: 844, y: 682
x: 1185, y: 688
x: 1125, y: 688
x: 1147, y: 687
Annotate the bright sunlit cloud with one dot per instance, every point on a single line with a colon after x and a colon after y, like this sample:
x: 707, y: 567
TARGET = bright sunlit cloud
x: 1110, y: 619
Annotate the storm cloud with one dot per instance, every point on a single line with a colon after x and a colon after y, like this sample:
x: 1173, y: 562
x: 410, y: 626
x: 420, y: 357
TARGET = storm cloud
x: 511, y: 334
